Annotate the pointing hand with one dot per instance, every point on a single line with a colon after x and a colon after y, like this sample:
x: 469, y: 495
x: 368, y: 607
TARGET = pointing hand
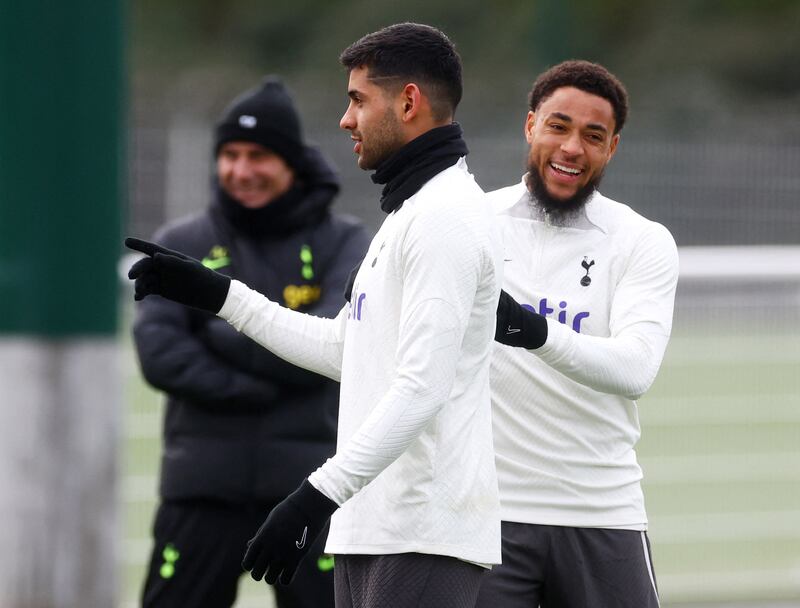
x: 177, y: 277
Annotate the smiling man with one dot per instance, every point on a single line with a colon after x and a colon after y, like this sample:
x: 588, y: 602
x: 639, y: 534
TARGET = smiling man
x: 570, y: 144
x: 596, y: 282
x: 234, y: 409
x: 251, y: 174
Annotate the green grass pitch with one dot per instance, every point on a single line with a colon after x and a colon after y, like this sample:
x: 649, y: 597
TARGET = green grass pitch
x: 720, y: 450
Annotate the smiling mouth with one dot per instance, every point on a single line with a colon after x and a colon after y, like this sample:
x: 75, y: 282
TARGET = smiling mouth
x: 564, y: 170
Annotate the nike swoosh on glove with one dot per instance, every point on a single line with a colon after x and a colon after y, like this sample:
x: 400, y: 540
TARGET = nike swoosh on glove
x: 518, y: 326
x: 177, y: 277
x: 286, y: 535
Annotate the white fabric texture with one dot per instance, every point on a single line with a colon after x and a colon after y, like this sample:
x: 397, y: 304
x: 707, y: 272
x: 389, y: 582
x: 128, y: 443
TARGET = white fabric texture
x: 414, y: 469
x: 307, y: 341
x: 565, y: 416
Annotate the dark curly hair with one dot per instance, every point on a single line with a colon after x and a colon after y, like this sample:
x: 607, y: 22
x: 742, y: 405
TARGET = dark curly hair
x: 411, y: 52
x: 587, y: 76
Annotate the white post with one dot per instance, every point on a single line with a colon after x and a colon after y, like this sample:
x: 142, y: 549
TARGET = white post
x: 59, y: 429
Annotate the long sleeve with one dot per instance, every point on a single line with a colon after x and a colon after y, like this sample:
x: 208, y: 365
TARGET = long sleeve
x: 626, y: 362
x: 338, y: 258
x: 310, y: 342
x: 441, y: 265
x: 414, y: 441
x: 174, y: 360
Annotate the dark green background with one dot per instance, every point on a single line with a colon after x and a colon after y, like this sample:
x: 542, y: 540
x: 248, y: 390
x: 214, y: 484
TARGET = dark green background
x: 61, y: 134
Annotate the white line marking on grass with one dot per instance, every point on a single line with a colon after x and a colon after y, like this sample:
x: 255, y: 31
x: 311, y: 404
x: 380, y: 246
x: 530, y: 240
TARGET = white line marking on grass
x: 139, y: 488
x: 724, y: 528
x: 732, y: 349
x: 136, y: 551
x: 143, y: 426
x: 722, y: 468
x: 705, y: 585
x: 761, y: 408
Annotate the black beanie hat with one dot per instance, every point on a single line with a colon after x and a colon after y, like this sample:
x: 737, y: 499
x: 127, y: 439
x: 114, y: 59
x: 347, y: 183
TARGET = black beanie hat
x: 264, y: 115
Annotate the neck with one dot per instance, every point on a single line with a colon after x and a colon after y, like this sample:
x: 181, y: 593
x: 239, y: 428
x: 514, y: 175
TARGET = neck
x: 407, y: 170
x: 422, y: 125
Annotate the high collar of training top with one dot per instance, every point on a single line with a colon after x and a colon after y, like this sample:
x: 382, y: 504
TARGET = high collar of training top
x: 407, y: 170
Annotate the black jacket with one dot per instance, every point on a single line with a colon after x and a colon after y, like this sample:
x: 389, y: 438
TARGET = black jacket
x: 241, y: 424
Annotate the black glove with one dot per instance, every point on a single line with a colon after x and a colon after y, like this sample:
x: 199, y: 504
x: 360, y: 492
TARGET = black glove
x: 351, y: 278
x: 518, y: 326
x: 176, y: 277
x: 284, y: 538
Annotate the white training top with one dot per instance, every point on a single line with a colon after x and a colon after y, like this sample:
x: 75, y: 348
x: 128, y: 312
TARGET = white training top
x: 414, y: 469
x: 565, y: 416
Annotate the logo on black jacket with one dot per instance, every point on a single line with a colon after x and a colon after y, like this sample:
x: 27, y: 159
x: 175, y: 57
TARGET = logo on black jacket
x: 586, y: 280
x: 217, y: 258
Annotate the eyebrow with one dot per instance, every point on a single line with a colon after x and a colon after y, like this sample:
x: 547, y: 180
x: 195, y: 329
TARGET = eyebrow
x: 592, y: 125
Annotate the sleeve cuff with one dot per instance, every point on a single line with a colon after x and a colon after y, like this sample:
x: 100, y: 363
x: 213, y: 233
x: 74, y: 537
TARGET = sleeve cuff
x: 559, y: 342
x: 314, y: 480
x: 236, y: 293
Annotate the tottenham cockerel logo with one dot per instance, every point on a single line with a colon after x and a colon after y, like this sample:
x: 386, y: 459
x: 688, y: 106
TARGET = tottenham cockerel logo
x: 586, y: 280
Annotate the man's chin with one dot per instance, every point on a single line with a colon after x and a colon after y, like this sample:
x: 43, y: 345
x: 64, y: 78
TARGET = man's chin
x: 558, y: 207
x: 365, y: 163
x: 249, y: 202
x: 560, y: 197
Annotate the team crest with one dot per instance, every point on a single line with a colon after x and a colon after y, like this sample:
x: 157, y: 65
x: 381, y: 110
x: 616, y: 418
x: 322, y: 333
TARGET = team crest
x: 586, y: 280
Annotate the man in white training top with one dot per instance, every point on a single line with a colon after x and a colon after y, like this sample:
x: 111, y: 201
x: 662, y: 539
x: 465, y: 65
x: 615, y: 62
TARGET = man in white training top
x: 414, y: 471
x: 596, y: 283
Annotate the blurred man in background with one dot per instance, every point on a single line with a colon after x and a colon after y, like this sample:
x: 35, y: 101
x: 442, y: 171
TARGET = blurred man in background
x: 597, y: 282
x: 242, y: 427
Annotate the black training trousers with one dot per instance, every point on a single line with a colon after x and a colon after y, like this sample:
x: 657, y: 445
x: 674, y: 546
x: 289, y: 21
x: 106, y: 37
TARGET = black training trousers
x: 197, y: 559
x: 406, y: 580
x: 563, y: 567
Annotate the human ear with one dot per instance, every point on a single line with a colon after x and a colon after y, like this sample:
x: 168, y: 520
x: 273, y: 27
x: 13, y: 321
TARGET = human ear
x: 530, y: 121
x: 612, y: 150
x: 411, y: 101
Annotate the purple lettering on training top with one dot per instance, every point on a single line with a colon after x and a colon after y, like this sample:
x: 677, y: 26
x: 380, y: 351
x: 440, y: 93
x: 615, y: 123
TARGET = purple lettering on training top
x: 576, y: 322
x: 361, y: 298
x: 563, y: 314
x: 356, y: 305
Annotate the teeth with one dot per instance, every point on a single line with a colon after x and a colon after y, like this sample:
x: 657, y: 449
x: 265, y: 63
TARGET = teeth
x: 565, y: 169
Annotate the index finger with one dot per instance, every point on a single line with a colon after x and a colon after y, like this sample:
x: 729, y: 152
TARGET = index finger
x: 146, y: 247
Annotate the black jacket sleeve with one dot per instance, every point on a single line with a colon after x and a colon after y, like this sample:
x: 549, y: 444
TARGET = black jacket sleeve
x: 173, y: 356
x: 346, y: 244
x: 175, y: 361
x: 198, y: 357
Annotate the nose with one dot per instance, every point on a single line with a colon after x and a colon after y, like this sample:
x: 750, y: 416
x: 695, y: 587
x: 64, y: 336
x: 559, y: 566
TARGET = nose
x: 572, y: 145
x: 242, y: 168
x: 347, y: 121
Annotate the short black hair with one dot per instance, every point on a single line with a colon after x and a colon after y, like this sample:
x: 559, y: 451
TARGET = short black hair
x: 587, y: 76
x: 414, y: 53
